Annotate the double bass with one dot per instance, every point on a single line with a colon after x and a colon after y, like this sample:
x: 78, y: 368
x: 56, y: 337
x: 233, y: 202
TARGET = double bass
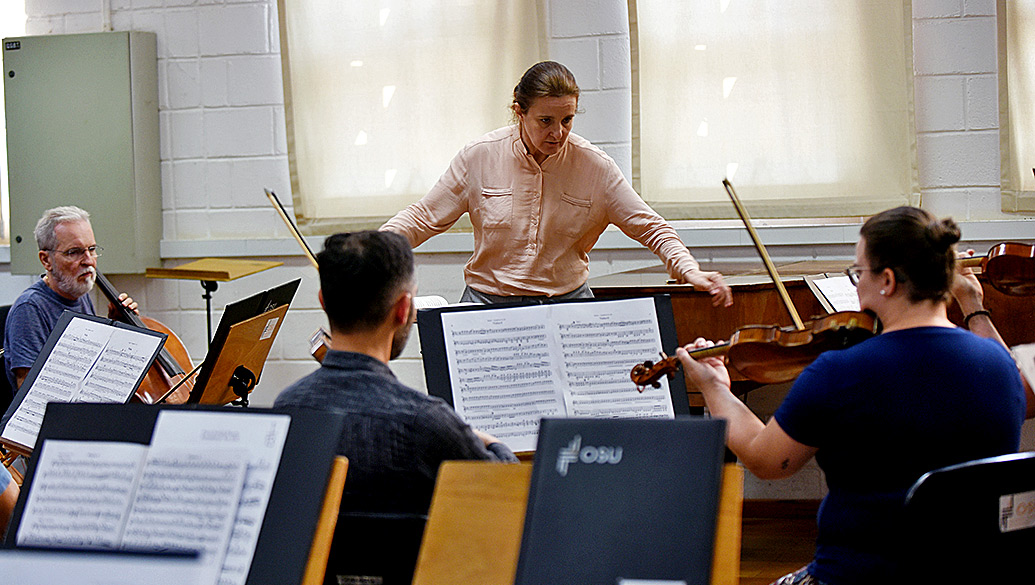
x: 170, y: 378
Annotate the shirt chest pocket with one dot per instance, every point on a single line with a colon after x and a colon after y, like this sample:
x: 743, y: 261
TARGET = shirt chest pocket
x: 573, y: 215
x: 495, y: 208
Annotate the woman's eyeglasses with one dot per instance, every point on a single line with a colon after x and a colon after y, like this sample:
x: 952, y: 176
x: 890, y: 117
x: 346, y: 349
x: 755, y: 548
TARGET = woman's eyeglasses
x: 853, y: 273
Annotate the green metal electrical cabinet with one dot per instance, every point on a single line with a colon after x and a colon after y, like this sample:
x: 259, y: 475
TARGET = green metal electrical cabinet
x: 82, y: 129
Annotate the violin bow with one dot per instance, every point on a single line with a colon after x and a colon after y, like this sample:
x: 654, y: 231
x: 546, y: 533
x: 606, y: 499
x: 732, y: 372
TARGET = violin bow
x: 291, y: 226
x: 780, y: 288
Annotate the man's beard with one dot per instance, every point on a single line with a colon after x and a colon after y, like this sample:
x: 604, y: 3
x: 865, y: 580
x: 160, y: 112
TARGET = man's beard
x: 402, y: 334
x: 71, y: 285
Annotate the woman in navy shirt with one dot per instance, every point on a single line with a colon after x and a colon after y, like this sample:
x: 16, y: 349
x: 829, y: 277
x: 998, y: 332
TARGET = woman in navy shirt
x: 921, y: 395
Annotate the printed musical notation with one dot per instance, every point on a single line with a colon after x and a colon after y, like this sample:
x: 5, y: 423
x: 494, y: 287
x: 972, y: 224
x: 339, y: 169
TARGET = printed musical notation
x: 510, y: 367
x: 90, y: 362
x: 203, y: 484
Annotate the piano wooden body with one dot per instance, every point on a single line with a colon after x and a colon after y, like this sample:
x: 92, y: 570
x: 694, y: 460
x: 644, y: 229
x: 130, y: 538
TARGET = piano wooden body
x: 756, y: 302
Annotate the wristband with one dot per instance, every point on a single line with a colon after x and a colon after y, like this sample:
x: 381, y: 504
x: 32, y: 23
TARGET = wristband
x: 966, y: 320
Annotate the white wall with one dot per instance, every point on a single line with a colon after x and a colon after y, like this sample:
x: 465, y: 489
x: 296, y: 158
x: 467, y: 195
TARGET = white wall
x: 957, y: 113
x: 223, y: 140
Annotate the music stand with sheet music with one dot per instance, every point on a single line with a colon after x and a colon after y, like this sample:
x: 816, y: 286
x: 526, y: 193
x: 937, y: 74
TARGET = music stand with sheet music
x: 295, y: 515
x: 240, y: 347
x: 534, y: 374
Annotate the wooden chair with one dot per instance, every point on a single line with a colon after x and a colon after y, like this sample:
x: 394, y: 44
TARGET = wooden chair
x: 973, y: 522
x: 319, y: 551
x: 477, y: 514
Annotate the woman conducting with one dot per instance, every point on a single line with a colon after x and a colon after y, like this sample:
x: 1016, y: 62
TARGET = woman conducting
x: 921, y: 395
x: 539, y: 197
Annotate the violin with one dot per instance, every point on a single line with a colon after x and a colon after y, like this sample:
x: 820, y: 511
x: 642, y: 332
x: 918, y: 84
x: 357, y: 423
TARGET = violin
x: 1009, y: 267
x: 171, y: 367
x: 771, y: 355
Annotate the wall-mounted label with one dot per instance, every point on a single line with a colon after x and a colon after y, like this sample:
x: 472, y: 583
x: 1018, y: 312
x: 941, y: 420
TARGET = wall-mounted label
x: 12, y: 45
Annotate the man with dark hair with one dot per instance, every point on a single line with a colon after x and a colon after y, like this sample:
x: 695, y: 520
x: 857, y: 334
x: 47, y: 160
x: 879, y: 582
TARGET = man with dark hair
x: 68, y: 253
x: 395, y: 437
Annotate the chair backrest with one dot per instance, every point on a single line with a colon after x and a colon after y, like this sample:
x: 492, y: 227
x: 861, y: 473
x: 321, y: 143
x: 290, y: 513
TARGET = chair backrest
x: 375, y: 548
x: 474, y: 524
x: 973, y: 520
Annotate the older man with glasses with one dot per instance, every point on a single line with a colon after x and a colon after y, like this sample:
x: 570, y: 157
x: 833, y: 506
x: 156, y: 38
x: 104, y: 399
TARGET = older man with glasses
x: 68, y: 252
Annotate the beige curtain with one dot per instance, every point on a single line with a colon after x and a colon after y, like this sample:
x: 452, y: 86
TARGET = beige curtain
x: 807, y: 107
x: 1017, y: 103
x: 380, y: 94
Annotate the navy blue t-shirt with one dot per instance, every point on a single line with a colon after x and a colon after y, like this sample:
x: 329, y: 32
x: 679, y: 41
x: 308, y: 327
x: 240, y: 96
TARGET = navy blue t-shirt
x: 881, y: 414
x: 30, y: 321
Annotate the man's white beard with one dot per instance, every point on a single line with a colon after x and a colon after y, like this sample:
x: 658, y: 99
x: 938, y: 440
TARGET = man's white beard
x: 71, y: 285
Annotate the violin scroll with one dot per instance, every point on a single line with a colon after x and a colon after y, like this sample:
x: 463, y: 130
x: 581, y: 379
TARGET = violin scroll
x: 649, y: 373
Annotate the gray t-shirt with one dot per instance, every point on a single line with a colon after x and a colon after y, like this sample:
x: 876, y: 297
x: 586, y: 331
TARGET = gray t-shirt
x: 31, y: 319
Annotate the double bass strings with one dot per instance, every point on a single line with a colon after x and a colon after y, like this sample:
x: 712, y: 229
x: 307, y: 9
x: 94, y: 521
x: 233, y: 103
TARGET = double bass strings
x: 189, y: 376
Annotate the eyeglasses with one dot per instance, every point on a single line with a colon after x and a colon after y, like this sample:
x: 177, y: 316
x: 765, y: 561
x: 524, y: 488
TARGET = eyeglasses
x: 853, y: 273
x: 78, y: 253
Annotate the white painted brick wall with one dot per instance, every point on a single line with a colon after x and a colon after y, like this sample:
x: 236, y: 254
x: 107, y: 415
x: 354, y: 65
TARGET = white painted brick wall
x: 957, y: 114
x: 578, y: 18
x: 937, y: 8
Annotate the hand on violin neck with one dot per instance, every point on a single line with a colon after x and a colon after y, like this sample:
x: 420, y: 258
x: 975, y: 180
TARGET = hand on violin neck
x: 966, y: 288
x: 127, y: 303
x: 706, y: 375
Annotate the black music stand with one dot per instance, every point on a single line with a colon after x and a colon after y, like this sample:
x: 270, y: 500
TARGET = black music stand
x: 240, y: 347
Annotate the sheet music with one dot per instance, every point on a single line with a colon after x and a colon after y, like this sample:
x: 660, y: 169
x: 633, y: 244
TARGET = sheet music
x: 429, y: 302
x: 186, y: 499
x: 91, y: 362
x: 125, y: 356
x: 510, y: 367
x: 260, y: 438
x: 600, y: 343
x: 501, y: 370
x: 80, y: 494
x: 839, y: 292
x: 60, y: 379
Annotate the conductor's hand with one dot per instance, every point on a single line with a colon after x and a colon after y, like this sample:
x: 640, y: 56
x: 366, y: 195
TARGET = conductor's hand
x: 707, y: 374
x: 713, y: 283
x: 125, y: 301
x: 966, y: 288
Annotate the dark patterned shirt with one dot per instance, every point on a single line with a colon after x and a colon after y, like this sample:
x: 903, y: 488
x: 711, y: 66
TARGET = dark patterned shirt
x: 394, y: 437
